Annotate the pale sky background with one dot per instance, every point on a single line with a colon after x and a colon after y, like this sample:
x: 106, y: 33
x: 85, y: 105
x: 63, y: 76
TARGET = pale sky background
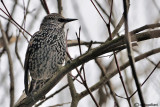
x: 141, y: 12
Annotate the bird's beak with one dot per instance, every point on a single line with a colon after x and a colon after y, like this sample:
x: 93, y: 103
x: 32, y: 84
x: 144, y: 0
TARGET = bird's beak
x: 66, y: 20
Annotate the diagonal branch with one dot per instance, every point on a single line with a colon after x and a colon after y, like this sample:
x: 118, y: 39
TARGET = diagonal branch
x: 89, y: 55
x: 45, y: 6
x: 110, y: 74
x: 130, y: 53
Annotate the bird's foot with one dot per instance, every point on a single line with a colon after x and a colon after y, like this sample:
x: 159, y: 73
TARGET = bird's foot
x: 68, y: 62
x: 31, y: 94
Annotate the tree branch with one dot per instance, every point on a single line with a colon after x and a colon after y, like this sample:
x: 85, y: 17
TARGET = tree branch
x: 89, y: 55
x: 10, y: 66
x: 74, y: 94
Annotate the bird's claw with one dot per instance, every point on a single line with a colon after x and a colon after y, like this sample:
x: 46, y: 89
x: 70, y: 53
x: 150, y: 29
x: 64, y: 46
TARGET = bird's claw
x: 31, y: 94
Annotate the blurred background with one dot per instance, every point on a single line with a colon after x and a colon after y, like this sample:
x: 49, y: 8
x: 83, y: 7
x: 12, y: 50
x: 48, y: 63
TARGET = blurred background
x: 29, y: 14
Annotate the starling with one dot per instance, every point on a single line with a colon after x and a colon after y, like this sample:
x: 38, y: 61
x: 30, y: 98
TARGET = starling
x: 46, y: 50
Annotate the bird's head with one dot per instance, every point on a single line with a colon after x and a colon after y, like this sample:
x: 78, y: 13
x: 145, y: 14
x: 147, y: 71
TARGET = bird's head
x: 55, y: 20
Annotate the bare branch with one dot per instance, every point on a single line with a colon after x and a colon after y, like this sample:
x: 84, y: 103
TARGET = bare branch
x: 45, y: 6
x: 59, y: 2
x: 112, y: 73
x: 130, y: 53
x: 10, y: 17
x: 91, y: 54
x: 74, y: 94
x: 148, y: 77
x: 151, y: 26
x: 10, y: 66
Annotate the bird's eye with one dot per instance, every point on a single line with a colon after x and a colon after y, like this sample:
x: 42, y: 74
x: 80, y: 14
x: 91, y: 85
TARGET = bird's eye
x: 61, y: 20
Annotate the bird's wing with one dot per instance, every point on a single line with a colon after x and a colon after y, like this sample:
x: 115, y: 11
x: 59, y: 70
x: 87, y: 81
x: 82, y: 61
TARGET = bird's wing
x: 32, y: 47
x: 26, y: 71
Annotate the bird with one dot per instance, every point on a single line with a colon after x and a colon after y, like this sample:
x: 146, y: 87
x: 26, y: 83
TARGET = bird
x: 46, y: 51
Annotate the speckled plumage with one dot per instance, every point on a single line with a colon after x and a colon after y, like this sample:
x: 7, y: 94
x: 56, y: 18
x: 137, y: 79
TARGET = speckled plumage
x: 46, y: 50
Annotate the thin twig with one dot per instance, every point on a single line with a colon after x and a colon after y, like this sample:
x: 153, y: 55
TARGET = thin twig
x: 108, y: 26
x: 110, y: 15
x: 115, y: 57
x: 129, y: 50
x: 45, y: 6
x: 150, y: 26
x: 10, y: 66
x: 152, y: 62
x: 74, y: 94
x: 111, y: 73
x: 12, y: 12
x: 15, y: 26
x: 16, y: 51
x: 75, y: 78
x: 84, y: 80
x: 8, y: 14
x: 147, y: 78
x: 120, y: 96
x: 127, y: 78
x: 85, y: 84
x: 79, y: 74
x: 23, y: 24
x: 98, y: 12
x: 112, y: 93
x: 80, y: 50
x: 103, y: 10
x: 59, y: 3
x: 119, y: 25
x: 104, y: 71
